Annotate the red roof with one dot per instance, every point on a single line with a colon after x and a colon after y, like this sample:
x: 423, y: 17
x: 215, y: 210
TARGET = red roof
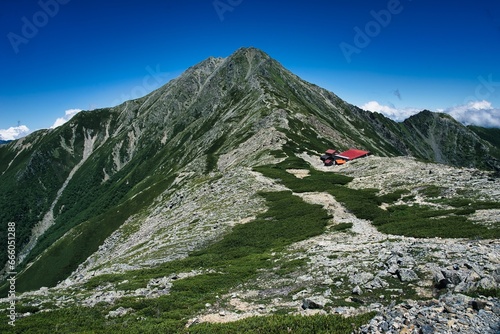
x: 330, y: 152
x: 353, y: 154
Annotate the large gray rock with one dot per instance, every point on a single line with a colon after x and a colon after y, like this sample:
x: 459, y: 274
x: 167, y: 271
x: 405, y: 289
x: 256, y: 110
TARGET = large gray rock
x: 119, y: 312
x: 406, y: 275
x: 361, y: 278
x: 453, y: 276
x: 440, y: 281
x: 488, y: 283
x: 376, y: 283
x: 317, y: 302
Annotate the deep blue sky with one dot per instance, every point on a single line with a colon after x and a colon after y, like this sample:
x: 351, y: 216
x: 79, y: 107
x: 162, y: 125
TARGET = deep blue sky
x: 432, y: 54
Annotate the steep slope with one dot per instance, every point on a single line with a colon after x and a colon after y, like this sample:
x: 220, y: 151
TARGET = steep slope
x: 440, y: 138
x: 110, y: 189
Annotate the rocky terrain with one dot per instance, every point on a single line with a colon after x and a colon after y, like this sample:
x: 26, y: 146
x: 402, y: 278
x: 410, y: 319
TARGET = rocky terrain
x: 370, y: 271
x: 415, y: 285
x: 120, y: 196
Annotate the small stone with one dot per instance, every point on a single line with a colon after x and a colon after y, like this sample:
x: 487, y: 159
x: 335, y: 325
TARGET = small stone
x: 449, y: 309
x: 478, y: 305
x: 384, y: 326
x: 427, y: 329
x: 357, y: 290
x: 222, y: 313
x: 328, y: 281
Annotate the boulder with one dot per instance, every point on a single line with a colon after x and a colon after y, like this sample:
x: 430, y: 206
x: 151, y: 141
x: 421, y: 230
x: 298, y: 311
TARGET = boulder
x: 361, y: 278
x: 357, y: 290
x: 487, y: 283
x: 119, y: 312
x: 406, y: 275
x: 317, y: 302
x: 440, y: 281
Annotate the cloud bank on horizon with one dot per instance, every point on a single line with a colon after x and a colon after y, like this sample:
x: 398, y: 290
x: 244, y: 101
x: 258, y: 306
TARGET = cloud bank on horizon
x: 14, y: 132
x: 480, y: 113
x: 20, y: 131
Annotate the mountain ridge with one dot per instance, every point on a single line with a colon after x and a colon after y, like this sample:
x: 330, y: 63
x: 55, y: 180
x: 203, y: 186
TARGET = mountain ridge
x: 90, y: 169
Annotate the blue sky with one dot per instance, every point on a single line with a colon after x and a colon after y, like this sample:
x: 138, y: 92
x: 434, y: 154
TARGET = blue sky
x: 396, y: 56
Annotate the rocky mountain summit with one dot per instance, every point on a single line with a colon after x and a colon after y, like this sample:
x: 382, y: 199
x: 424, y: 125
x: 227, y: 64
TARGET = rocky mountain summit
x: 206, y: 202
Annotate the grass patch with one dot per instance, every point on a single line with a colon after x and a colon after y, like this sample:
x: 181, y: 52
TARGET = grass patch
x: 289, y: 267
x: 432, y: 191
x: 426, y: 222
x: 341, y: 227
x: 316, y: 181
x: 287, y: 324
x: 495, y: 293
x: 394, y: 196
x: 212, y: 157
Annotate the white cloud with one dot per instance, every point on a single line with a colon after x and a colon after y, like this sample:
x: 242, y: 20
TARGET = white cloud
x: 68, y: 115
x: 480, y: 113
x: 390, y: 111
x: 14, y: 132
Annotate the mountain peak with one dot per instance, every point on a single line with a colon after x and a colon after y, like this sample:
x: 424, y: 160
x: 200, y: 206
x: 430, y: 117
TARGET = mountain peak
x: 251, y: 52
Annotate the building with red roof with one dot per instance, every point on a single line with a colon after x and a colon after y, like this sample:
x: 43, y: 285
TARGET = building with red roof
x: 352, y: 154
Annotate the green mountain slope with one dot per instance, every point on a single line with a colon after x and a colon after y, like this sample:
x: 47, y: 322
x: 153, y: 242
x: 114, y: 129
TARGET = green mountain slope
x: 70, y: 188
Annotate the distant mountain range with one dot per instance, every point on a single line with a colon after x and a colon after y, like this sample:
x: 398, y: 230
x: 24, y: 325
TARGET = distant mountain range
x: 68, y: 189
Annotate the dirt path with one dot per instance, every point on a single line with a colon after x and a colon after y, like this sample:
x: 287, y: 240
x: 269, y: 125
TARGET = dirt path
x: 363, y: 229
